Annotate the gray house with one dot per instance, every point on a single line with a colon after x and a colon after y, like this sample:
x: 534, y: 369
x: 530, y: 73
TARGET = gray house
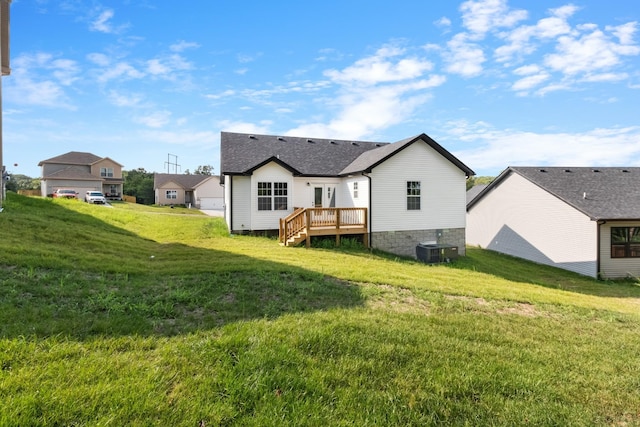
x: 400, y: 193
x: 582, y: 219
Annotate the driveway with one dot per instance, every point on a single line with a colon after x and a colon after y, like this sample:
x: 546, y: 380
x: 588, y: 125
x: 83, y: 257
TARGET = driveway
x: 213, y: 212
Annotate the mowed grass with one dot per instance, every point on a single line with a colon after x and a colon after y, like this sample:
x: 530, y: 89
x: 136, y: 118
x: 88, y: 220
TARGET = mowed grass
x: 131, y: 315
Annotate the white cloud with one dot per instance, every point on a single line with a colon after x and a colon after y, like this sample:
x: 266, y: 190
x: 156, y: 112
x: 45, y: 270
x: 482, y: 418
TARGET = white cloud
x: 99, y: 59
x: 101, y: 23
x: 589, y: 53
x: 122, y: 71
x: 492, y: 150
x: 525, y: 39
x: 225, y: 94
x: 463, y: 57
x: 443, y: 22
x: 183, y: 45
x: 31, y: 80
x: 245, y: 127
x: 166, y: 67
x: 374, y: 93
x: 480, y: 17
x: 157, y: 119
x: 125, y: 100
x: 379, y: 68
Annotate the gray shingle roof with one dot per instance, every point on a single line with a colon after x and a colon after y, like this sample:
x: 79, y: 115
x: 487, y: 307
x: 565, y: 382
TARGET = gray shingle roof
x: 243, y: 153
x: 72, y: 173
x: 188, y: 182
x: 474, y: 191
x: 73, y: 158
x: 611, y: 193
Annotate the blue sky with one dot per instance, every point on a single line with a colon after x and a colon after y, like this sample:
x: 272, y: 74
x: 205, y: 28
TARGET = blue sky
x: 496, y: 82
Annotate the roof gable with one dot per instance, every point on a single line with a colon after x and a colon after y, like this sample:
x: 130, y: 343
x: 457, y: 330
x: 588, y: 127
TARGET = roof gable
x: 611, y: 193
x: 367, y: 161
x: 73, y: 158
x: 241, y: 154
x: 188, y: 182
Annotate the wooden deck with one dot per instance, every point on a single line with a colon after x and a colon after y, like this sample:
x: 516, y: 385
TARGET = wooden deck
x: 304, y: 223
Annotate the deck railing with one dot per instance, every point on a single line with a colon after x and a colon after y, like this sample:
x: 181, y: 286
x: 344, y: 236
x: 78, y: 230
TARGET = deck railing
x: 323, y: 221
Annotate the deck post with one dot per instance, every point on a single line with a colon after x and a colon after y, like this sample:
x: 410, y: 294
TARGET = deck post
x: 307, y: 240
x: 338, y: 213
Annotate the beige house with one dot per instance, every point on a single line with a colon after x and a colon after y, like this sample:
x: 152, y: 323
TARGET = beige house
x: 198, y: 191
x: 82, y: 172
x: 581, y: 219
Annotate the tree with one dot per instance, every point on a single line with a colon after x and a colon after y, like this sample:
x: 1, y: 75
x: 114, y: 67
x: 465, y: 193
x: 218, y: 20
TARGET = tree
x: 476, y: 180
x: 139, y: 183
x: 22, y: 182
x: 204, y: 170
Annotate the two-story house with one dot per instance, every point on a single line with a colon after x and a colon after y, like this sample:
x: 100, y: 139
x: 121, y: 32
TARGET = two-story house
x: 82, y: 172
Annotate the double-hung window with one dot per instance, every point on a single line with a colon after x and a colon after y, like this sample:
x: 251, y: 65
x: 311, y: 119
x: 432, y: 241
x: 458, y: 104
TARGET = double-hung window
x: 625, y: 242
x: 355, y: 190
x: 106, y: 172
x: 272, y: 196
x: 171, y: 194
x: 413, y: 195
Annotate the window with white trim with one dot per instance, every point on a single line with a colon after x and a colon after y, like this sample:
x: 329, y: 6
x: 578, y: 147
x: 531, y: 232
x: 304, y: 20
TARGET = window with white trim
x: 273, y: 196
x: 355, y: 190
x: 413, y: 195
x: 106, y: 172
x: 171, y: 194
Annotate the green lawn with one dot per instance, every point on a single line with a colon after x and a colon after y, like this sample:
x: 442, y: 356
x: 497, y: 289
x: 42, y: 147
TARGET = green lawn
x: 138, y: 316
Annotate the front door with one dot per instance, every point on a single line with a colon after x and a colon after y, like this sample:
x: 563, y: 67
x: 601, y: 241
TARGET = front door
x: 324, y: 196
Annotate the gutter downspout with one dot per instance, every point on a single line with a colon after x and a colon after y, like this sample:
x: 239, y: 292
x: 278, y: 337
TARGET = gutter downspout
x: 370, y: 204
x: 599, y: 222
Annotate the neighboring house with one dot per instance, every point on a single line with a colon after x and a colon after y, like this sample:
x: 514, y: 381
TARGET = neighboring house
x: 412, y: 190
x: 581, y: 219
x: 82, y: 172
x: 198, y: 191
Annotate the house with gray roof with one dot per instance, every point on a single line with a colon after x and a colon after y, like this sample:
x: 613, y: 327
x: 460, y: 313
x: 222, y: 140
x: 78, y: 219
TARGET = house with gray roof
x: 582, y: 219
x: 198, y: 191
x: 81, y: 172
x: 412, y: 190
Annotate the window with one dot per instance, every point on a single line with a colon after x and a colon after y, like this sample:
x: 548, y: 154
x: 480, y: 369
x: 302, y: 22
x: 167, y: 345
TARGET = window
x: 273, y: 196
x: 280, y: 196
x: 172, y: 194
x: 625, y: 242
x: 106, y: 172
x: 355, y: 190
x: 264, y: 196
x: 413, y: 195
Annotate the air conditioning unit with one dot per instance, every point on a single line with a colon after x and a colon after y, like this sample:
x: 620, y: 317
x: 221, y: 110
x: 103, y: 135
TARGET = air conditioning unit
x: 432, y: 253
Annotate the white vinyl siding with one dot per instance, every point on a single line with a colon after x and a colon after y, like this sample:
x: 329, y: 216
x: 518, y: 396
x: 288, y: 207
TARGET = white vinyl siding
x: 269, y: 219
x: 241, y: 212
x: 442, y: 191
x: 616, y: 267
x: 519, y: 218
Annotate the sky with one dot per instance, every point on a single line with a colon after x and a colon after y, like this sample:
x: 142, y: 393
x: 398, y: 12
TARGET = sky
x: 152, y: 83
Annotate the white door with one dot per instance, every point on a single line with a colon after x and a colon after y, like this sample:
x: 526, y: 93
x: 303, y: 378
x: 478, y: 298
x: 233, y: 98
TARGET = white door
x: 323, y: 196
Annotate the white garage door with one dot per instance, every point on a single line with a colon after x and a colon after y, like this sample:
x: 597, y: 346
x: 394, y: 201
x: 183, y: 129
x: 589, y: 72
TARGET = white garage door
x: 211, y: 202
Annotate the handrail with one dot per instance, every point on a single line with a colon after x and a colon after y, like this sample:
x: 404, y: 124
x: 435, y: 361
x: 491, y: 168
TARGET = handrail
x: 292, y: 224
x: 304, y: 220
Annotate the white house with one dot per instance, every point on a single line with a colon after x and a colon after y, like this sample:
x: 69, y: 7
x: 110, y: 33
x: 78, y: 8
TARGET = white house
x: 198, y: 191
x: 413, y: 190
x: 585, y: 220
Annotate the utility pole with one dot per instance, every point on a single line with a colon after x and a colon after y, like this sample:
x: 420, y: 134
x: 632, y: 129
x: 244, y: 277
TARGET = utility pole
x: 169, y: 163
x: 6, y: 70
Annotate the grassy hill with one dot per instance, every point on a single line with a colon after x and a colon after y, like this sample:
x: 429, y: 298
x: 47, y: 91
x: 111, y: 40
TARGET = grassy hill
x: 136, y: 315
